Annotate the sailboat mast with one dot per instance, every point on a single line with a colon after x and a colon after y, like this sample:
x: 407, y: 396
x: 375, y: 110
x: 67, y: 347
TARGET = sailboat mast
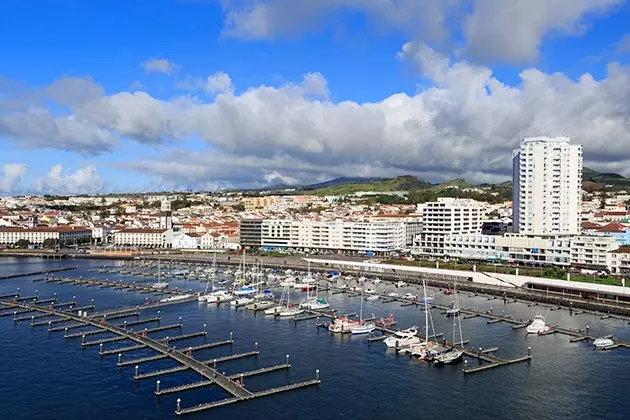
x: 426, y: 312
x: 361, y: 311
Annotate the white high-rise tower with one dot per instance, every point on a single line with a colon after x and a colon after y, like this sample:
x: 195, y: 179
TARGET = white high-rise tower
x: 547, y: 187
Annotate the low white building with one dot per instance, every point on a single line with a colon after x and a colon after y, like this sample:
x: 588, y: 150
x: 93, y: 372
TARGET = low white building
x: 144, y: 238
x: 183, y: 240
x: 63, y: 235
x: 592, y: 250
x: 511, y: 247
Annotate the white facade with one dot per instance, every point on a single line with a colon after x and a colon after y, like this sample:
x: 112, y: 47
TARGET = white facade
x: 547, y: 191
x: 212, y: 240
x: 448, y: 216
x: 182, y: 240
x: 375, y: 236
x: 276, y: 233
x: 66, y: 235
x: 619, y: 261
x: 591, y: 250
x: 513, y: 248
x: 144, y: 238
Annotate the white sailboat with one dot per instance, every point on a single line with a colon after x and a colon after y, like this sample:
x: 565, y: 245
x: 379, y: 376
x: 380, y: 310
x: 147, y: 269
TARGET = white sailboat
x: 160, y: 285
x: 363, y: 327
x: 421, y: 349
x: 290, y: 310
x: 454, y: 354
x: 276, y: 309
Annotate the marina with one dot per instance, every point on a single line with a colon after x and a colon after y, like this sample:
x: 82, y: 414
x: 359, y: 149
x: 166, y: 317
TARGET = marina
x: 138, y: 316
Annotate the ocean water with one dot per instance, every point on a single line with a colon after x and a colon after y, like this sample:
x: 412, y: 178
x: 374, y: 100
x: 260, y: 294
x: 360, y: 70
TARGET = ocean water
x: 45, y: 376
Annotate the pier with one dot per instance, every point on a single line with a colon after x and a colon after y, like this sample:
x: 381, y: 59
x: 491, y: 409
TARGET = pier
x: 234, y: 387
x: 35, y: 273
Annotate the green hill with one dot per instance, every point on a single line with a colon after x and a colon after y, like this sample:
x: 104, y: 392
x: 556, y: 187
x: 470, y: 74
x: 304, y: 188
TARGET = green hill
x: 593, y: 180
x: 401, y: 183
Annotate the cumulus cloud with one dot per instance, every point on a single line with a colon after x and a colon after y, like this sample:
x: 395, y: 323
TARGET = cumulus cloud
x: 82, y: 181
x: 12, y: 174
x: 464, y: 121
x: 219, y: 82
x: 513, y: 30
x: 159, y: 65
x: 466, y: 124
x: 509, y: 30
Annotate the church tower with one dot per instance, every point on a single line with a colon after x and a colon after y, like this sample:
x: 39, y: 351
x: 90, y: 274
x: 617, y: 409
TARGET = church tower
x: 166, y: 215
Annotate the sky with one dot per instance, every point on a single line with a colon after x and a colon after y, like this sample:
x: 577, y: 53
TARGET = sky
x: 115, y: 96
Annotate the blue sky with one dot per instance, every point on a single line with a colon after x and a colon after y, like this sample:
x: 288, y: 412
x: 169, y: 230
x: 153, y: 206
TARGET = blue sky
x: 141, y: 95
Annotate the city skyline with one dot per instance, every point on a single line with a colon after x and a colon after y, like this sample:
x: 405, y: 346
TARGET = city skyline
x: 208, y: 95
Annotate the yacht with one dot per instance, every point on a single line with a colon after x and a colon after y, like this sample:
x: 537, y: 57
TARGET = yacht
x: 408, y: 336
x: 538, y: 325
x: 602, y: 343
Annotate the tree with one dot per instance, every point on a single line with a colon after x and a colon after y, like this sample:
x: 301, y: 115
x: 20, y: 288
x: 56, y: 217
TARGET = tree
x: 50, y: 243
x: 238, y: 207
x: 22, y: 244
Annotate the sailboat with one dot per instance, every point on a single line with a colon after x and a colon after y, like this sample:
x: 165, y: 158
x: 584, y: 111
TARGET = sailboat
x: 313, y: 301
x: 453, y: 354
x: 274, y: 310
x: 422, y: 349
x: 160, y: 284
x: 290, y: 310
x: 363, y: 327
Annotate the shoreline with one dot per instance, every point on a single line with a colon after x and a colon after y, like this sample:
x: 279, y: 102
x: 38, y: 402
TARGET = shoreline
x: 602, y: 307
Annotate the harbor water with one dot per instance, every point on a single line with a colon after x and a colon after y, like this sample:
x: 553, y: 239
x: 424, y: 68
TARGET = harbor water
x: 45, y: 376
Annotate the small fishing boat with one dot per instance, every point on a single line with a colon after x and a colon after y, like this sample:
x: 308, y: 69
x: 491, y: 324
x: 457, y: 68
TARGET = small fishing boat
x: 342, y: 325
x: 604, y: 342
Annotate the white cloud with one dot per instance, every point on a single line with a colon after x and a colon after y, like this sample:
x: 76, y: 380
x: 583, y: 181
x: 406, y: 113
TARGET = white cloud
x: 463, y: 122
x: 509, y: 30
x: 159, y: 65
x: 12, y: 174
x: 514, y: 30
x: 218, y: 82
x: 82, y: 181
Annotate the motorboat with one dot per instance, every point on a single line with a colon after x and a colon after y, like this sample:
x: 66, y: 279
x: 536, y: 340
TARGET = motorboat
x: 372, y: 298
x: 342, y: 325
x: 175, y: 298
x: 159, y: 285
x: 393, y: 294
x: 370, y: 291
x: 401, y: 284
x: 427, y: 299
x: 410, y: 296
x: 376, y: 281
x: 538, y: 325
x: 604, y: 342
x: 448, y: 291
x: 407, y: 337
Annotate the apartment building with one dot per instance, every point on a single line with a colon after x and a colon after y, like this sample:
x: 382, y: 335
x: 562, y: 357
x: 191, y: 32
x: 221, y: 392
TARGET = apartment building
x: 591, y: 251
x: 251, y: 232
x: 382, y: 236
x: 448, y: 216
x: 547, y: 191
